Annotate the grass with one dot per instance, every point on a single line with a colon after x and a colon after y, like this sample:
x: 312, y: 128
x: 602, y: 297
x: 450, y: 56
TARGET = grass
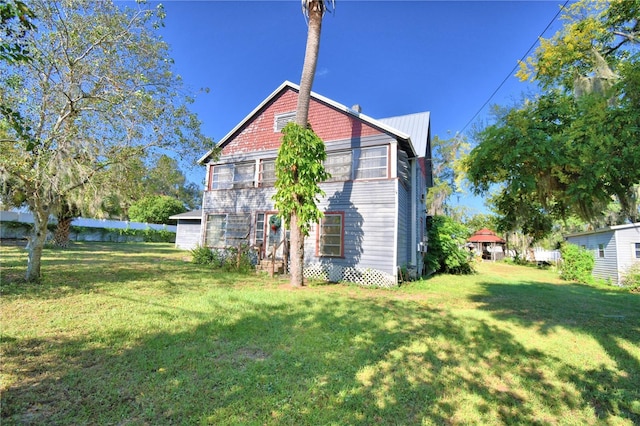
x: 132, y: 334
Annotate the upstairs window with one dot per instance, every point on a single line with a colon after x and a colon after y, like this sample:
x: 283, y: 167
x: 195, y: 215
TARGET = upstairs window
x: 268, y: 172
x: 330, y: 235
x: 338, y: 164
x: 281, y: 120
x: 227, y: 176
x: 222, y: 176
x: 370, y: 163
x: 600, y: 250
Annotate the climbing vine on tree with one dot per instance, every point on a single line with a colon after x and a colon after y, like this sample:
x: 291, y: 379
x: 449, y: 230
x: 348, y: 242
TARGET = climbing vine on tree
x: 299, y: 171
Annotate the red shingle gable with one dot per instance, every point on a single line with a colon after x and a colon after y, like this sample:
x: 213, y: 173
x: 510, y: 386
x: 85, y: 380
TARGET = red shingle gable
x: 329, y: 124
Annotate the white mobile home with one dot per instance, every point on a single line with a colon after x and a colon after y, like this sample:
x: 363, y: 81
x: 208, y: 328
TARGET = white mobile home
x: 615, y: 249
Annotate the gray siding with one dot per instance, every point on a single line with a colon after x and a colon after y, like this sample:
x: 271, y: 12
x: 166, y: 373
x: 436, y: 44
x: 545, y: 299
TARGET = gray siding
x: 188, y: 234
x: 369, y: 225
x: 370, y: 210
x: 404, y: 226
x: 626, y: 240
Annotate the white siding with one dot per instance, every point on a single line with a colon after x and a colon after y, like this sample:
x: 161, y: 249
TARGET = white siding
x: 626, y: 240
x: 188, y: 234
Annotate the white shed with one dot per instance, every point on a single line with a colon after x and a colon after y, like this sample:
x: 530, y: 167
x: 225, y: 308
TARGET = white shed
x: 188, y: 229
x: 615, y: 249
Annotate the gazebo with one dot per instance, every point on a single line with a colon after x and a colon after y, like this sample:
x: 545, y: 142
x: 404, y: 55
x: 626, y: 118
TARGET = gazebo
x: 488, y: 244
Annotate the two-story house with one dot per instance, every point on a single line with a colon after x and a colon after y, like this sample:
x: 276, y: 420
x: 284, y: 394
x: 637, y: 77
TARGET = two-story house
x: 374, y: 221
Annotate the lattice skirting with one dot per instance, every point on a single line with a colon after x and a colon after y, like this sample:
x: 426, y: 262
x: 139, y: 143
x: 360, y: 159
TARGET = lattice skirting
x: 365, y: 277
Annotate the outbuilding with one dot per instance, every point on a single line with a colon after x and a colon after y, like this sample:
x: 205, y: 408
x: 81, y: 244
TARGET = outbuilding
x: 615, y: 249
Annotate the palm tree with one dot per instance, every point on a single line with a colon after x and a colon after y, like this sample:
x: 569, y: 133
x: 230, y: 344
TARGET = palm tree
x: 314, y: 11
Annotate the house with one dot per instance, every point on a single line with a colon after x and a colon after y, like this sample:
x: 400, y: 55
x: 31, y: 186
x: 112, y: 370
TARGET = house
x: 486, y: 243
x: 615, y: 249
x: 374, y: 208
x: 188, y: 229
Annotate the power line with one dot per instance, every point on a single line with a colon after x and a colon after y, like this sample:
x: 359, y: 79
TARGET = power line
x: 524, y: 57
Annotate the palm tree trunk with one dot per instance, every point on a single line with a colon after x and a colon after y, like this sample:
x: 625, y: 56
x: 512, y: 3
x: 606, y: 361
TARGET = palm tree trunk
x: 316, y: 11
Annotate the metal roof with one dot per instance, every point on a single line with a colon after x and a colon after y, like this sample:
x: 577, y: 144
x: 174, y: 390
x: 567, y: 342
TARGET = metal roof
x: 193, y: 214
x: 418, y: 123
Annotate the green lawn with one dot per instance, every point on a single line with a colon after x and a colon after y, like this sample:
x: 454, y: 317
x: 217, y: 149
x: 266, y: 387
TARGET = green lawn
x: 131, y: 334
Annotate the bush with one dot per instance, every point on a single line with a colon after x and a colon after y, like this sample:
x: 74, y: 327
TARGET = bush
x: 232, y: 259
x: 446, y: 253
x: 577, y: 264
x: 631, y: 277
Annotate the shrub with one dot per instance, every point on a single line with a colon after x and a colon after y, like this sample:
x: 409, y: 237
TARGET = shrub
x: 577, y: 264
x: 631, y: 277
x: 446, y: 251
x: 202, y: 256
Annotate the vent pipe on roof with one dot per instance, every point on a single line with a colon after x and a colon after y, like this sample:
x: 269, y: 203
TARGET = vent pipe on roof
x: 357, y: 108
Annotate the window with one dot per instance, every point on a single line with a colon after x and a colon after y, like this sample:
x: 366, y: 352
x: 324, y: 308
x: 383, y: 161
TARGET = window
x: 216, y: 225
x: 227, y: 176
x: 244, y: 175
x: 370, y: 163
x: 600, y: 250
x: 227, y: 230
x: 267, y: 172
x: 637, y: 250
x: 281, y: 120
x: 222, y: 176
x: 338, y: 164
x: 259, y: 229
x: 330, y: 235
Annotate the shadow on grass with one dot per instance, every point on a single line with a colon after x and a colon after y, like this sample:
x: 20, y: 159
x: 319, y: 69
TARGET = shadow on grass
x: 331, y: 360
x: 610, y: 317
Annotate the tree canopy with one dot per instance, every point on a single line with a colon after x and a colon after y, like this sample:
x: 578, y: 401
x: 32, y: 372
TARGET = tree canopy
x: 572, y: 149
x: 98, y: 90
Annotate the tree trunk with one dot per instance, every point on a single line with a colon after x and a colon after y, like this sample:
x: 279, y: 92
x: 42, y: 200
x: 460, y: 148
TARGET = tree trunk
x: 297, y: 253
x: 36, y: 243
x: 316, y: 11
x: 63, y: 229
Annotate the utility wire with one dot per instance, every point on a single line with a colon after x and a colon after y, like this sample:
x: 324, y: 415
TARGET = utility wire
x: 524, y: 57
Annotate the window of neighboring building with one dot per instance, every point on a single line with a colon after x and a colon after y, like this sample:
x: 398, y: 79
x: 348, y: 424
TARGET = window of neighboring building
x: 227, y: 176
x: 637, y: 250
x: 338, y: 164
x: 600, y: 250
x: 227, y: 230
x: 330, y: 235
x: 370, y: 163
x: 281, y: 120
x: 268, y: 172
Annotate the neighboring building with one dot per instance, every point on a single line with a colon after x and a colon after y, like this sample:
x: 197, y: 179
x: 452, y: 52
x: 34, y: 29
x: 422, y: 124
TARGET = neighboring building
x: 615, y: 249
x: 486, y: 243
x: 188, y: 229
x: 375, y: 212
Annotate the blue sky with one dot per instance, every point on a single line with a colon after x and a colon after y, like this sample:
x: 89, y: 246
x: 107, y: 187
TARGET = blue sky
x: 390, y: 57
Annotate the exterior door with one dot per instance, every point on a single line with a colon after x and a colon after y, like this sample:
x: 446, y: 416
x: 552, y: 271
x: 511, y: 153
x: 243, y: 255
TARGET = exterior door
x: 274, y: 230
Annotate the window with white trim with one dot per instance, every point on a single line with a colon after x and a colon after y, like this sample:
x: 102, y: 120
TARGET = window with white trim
x: 600, y: 250
x: 370, y: 163
x: 281, y: 120
x: 259, y: 237
x: 268, y: 172
x: 227, y: 176
x: 330, y: 235
x: 338, y: 164
x: 637, y: 250
x: 227, y: 230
